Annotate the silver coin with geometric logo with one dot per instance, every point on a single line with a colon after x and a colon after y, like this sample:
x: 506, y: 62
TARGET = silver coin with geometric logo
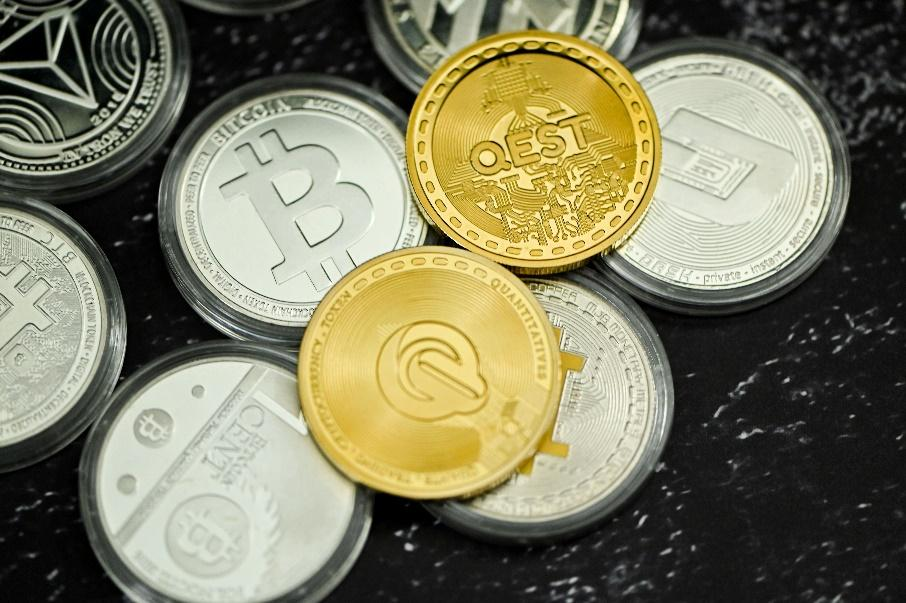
x: 414, y: 37
x: 62, y: 331
x: 615, y: 415
x: 275, y: 193
x: 753, y: 186
x: 246, y: 7
x: 201, y: 483
x: 87, y: 88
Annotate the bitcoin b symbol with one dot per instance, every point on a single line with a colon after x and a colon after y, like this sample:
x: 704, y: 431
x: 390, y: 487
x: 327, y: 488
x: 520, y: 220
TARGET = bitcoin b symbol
x: 312, y: 218
x: 568, y: 362
x: 153, y: 428
x: 208, y: 535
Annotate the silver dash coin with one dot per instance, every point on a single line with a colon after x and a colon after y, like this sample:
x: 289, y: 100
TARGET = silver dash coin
x: 277, y: 191
x: 754, y: 183
x: 88, y: 89
x: 414, y: 37
x: 62, y: 331
x: 615, y: 416
x: 201, y: 483
x: 246, y: 7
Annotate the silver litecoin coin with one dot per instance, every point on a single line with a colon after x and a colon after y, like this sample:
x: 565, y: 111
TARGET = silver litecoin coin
x: 615, y: 416
x: 246, y: 7
x: 754, y: 181
x: 415, y: 36
x: 277, y: 191
x: 88, y: 89
x: 62, y: 331
x: 201, y: 483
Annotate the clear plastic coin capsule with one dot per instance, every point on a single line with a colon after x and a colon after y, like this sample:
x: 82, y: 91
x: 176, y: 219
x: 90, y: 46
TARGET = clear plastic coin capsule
x: 277, y: 191
x: 62, y: 331
x: 201, y: 483
x: 614, y: 419
x: 246, y: 7
x: 414, y: 37
x: 754, y: 182
x: 89, y: 90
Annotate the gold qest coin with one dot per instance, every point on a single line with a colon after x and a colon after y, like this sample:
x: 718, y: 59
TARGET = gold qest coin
x: 535, y: 149
x: 429, y: 373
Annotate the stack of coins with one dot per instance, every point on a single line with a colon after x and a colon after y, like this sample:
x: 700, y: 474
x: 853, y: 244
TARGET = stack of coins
x: 482, y: 368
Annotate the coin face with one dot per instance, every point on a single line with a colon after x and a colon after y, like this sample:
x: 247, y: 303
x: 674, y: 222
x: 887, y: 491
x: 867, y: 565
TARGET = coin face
x: 246, y: 7
x: 414, y: 37
x: 753, y: 185
x: 62, y: 331
x: 87, y: 88
x: 278, y: 191
x: 615, y: 413
x: 534, y: 149
x: 201, y: 483
x: 449, y: 354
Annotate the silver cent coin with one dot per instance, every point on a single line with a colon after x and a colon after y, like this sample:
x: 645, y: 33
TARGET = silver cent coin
x: 88, y: 88
x: 276, y: 192
x: 414, y: 37
x: 615, y: 415
x: 753, y: 186
x: 246, y: 7
x: 201, y: 483
x: 62, y: 331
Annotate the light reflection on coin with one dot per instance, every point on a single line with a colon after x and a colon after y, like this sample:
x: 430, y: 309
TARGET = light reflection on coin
x: 754, y: 182
x: 62, y: 331
x: 88, y: 88
x: 414, y: 37
x: 218, y: 497
x: 615, y: 414
x: 275, y: 193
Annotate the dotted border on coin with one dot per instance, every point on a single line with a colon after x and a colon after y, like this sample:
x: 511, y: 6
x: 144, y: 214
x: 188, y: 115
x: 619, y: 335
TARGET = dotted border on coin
x: 438, y: 87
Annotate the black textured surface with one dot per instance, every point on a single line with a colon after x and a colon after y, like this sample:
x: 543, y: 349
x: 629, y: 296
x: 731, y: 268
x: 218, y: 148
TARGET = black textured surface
x: 785, y: 477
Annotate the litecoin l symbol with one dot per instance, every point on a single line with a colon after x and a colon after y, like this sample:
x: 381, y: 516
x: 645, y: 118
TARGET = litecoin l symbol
x: 312, y: 218
x: 18, y: 308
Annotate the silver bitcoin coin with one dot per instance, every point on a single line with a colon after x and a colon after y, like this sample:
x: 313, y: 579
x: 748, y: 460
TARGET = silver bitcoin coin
x: 414, y: 37
x: 246, y: 7
x: 276, y: 192
x: 87, y: 89
x: 753, y: 186
x: 201, y: 483
x: 615, y: 415
x: 62, y: 331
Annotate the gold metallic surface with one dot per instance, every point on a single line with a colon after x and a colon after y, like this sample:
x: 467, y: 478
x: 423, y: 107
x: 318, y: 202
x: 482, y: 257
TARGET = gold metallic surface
x: 535, y: 149
x: 429, y: 373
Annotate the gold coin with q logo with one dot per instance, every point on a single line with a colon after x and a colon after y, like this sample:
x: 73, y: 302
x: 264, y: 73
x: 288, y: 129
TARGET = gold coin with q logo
x: 429, y: 373
x: 535, y: 149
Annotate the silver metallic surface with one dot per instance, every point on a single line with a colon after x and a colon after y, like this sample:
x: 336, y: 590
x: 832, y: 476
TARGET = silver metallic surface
x: 415, y: 36
x: 86, y: 87
x: 62, y: 331
x: 273, y: 195
x: 753, y: 185
x: 201, y: 483
x: 615, y: 415
x: 246, y: 7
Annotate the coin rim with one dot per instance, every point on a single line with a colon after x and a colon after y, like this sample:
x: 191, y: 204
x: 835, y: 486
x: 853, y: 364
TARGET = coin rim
x: 703, y: 302
x: 461, y: 488
x: 319, y: 586
x: 395, y: 52
x: 521, y: 265
x: 109, y: 361
x: 206, y: 301
x: 461, y: 517
x: 116, y: 168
